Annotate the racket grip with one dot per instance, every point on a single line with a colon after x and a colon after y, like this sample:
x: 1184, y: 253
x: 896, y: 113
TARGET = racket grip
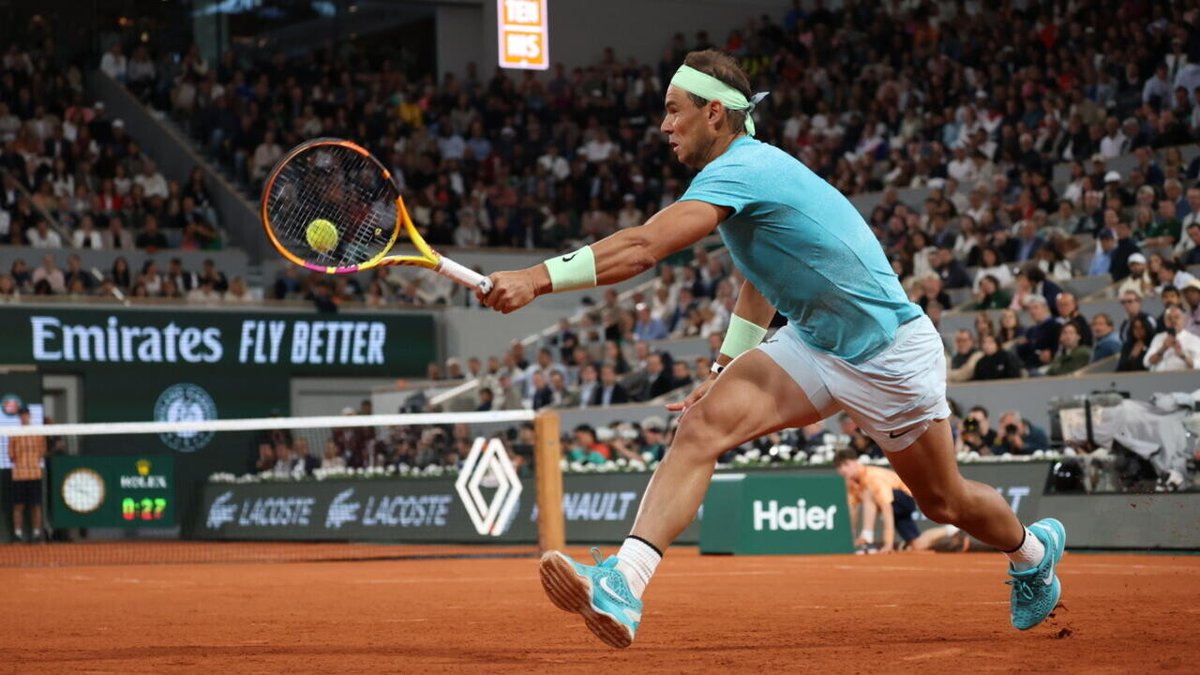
x: 464, y: 275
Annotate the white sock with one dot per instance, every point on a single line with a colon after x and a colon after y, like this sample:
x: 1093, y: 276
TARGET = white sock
x: 637, y: 560
x: 1029, y: 554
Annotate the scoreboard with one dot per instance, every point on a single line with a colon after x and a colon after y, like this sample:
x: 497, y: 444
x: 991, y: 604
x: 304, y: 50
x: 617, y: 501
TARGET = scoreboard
x: 107, y: 491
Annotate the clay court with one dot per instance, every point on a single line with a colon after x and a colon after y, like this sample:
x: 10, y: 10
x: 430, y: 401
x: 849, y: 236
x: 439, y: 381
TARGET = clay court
x: 420, y: 610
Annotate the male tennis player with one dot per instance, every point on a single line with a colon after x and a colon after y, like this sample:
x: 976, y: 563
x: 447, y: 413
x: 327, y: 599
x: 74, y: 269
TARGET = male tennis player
x: 853, y: 342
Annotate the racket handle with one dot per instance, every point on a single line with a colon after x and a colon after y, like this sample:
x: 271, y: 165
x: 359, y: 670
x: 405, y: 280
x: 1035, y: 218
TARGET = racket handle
x: 464, y: 275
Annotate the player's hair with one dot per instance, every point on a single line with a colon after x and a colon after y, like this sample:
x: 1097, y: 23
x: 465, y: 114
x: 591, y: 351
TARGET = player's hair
x: 844, y: 455
x: 723, y: 67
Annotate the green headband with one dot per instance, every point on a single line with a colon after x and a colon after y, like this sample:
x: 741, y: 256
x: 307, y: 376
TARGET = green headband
x: 710, y: 88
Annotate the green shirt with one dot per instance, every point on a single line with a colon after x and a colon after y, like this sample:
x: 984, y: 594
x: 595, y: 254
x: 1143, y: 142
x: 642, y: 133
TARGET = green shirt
x: 1069, y: 362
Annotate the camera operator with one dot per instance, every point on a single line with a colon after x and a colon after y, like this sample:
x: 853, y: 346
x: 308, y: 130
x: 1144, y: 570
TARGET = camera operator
x: 977, y: 434
x: 1018, y: 437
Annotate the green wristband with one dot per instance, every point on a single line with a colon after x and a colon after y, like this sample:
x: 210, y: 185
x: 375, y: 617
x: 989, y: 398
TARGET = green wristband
x: 742, y: 336
x: 573, y: 270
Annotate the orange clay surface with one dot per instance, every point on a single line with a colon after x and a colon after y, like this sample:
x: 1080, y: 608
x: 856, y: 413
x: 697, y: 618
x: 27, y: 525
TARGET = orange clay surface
x: 926, y: 613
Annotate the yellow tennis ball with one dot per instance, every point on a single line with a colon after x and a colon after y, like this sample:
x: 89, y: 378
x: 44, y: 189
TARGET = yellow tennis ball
x: 322, y: 235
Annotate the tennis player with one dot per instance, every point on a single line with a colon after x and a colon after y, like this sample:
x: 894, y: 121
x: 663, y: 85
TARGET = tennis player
x: 853, y: 342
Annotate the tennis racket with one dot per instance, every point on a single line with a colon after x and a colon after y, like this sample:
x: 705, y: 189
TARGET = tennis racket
x: 330, y: 206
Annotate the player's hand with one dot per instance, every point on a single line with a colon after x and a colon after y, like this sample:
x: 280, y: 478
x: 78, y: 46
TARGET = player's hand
x: 513, y: 290
x: 694, y: 397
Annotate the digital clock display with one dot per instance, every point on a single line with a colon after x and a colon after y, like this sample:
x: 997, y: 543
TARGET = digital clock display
x: 144, y: 508
x: 119, y: 492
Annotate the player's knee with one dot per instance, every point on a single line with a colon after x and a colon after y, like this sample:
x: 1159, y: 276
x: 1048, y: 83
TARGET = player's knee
x: 699, y: 437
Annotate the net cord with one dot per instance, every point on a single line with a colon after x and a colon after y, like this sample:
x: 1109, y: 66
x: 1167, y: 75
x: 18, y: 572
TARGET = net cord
x: 267, y: 423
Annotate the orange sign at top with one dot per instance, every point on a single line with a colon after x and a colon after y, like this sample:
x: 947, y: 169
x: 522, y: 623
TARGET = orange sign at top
x: 524, y: 34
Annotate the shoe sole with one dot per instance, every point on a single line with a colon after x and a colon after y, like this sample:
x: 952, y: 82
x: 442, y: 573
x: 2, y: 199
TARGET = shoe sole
x: 572, y: 592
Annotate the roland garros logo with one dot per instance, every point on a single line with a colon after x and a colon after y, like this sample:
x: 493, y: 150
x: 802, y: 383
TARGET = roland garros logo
x: 185, y: 403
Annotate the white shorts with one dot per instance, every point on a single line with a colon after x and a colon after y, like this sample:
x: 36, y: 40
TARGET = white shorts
x: 893, y: 397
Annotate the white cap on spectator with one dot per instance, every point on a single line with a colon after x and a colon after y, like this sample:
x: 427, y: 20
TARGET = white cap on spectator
x: 348, y: 410
x: 1112, y: 177
x: 629, y: 197
x: 937, y: 183
x: 98, y: 104
x: 119, y: 123
x: 604, y: 434
x: 1098, y: 157
x: 1137, y: 258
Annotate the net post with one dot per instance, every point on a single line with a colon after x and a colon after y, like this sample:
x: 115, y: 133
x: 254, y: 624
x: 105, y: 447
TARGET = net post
x: 548, y: 477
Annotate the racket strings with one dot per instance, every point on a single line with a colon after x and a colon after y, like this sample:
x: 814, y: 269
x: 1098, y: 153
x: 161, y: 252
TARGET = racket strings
x: 337, y: 184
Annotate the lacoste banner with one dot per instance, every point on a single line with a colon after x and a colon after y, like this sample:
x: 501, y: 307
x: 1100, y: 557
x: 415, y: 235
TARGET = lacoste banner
x: 597, y: 508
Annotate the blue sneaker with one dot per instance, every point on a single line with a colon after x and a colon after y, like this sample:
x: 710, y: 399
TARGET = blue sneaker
x: 1036, y: 591
x: 598, y: 593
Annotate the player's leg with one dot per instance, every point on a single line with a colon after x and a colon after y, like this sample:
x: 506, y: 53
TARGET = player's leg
x: 18, y: 520
x: 930, y: 469
x: 753, y: 397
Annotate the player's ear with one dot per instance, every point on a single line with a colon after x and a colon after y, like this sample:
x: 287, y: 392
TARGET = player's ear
x: 714, y: 109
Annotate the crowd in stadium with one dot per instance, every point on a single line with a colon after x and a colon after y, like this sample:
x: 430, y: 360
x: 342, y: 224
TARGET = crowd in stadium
x: 978, y: 109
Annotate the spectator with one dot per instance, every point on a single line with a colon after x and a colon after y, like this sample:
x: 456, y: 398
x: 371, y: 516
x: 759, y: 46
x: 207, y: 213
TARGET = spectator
x: 152, y: 182
x: 1191, y: 295
x: 610, y: 392
x: 1106, y: 246
x: 648, y: 327
x: 113, y: 63
x: 653, y: 439
x: 87, y: 236
x: 1018, y: 437
x: 1068, y: 312
x: 204, y: 293
x: 1072, y: 354
x: 49, y: 275
x: 1107, y: 342
x: 996, y: 363
x: 209, y: 271
x: 1139, y: 279
x: 931, y: 291
x: 1119, y: 268
x: 1174, y: 348
x: 184, y: 280
x: 1031, y: 281
x: 991, y: 264
x: 41, y: 236
x: 586, y: 448
x: 1192, y: 257
x: 1135, y: 347
x: 990, y: 295
x: 237, y: 293
x: 1131, y: 302
x: 589, y: 386
x: 151, y: 239
x: 116, y: 237
x: 1010, y: 329
x: 1037, y: 345
x: 965, y: 357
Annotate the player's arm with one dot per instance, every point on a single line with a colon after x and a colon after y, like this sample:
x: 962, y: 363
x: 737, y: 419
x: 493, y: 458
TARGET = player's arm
x: 869, y: 511
x: 615, y: 258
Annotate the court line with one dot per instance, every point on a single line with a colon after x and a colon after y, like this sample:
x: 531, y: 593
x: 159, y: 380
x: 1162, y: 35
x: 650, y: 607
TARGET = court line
x: 526, y: 577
